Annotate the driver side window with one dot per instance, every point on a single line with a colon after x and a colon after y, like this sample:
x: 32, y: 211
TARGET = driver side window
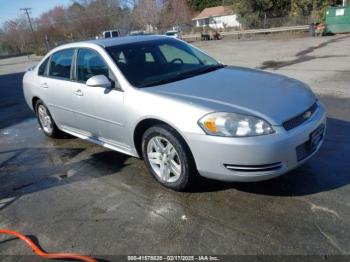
x: 89, y: 64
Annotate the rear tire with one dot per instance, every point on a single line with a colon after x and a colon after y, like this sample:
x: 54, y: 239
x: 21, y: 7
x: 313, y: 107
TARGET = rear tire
x: 168, y: 157
x: 46, y: 121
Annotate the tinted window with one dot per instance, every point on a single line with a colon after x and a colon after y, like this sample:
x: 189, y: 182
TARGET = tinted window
x: 89, y: 64
x: 107, y: 35
x: 115, y: 34
x: 121, y: 58
x: 173, y: 54
x: 42, y: 68
x: 149, y: 57
x: 60, y: 64
x: 162, y: 61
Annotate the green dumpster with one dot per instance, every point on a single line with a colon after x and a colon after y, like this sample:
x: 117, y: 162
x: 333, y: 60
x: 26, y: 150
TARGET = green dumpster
x: 338, y: 20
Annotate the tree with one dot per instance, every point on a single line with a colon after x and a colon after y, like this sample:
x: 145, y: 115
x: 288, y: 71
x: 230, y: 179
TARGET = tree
x: 316, y: 8
x: 89, y: 18
x: 17, y: 35
x: 85, y: 19
x: 175, y: 13
x: 199, y: 5
x: 52, y: 25
x: 147, y: 13
x: 252, y: 12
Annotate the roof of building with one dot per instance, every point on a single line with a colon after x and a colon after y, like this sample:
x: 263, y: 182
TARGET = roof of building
x: 214, y: 11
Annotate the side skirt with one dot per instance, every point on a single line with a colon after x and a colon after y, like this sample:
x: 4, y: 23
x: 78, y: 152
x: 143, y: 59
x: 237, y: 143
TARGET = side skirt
x: 98, y: 141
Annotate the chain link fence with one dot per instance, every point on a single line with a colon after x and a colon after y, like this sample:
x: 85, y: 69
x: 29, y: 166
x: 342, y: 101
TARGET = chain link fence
x: 265, y: 23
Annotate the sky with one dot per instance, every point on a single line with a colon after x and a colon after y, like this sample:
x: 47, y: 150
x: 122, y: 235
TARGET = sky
x: 9, y: 9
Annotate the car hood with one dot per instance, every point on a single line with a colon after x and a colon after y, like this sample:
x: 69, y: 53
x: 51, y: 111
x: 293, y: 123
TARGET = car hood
x: 273, y: 97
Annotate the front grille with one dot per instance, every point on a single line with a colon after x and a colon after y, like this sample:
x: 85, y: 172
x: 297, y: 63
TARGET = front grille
x: 254, y: 168
x: 300, y: 119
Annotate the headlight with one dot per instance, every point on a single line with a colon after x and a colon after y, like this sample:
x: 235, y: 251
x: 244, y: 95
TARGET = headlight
x: 234, y: 125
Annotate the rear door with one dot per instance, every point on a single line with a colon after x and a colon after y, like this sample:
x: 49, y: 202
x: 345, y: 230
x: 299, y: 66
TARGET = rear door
x: 45, y: 93
x: 58, y: 81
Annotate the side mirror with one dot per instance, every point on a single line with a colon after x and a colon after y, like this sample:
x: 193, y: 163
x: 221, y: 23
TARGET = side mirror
x: 99, y: 81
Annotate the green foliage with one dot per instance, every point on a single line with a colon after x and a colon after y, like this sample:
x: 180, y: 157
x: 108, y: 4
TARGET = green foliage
x: 252, y: 12
x: 199, y: 5
x: 316, y: 8
x: 40, y: 51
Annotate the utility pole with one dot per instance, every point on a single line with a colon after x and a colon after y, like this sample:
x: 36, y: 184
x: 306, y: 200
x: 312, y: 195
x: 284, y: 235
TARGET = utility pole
x: 26, y: 10
x: 29, y: 20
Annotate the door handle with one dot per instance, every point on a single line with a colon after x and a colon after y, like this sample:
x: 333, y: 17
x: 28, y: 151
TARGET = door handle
x: 78, y: 93
x: 44, y: 85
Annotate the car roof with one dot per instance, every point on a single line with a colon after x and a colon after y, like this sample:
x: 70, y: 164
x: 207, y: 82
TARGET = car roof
x: 122, y: 40
x: 108, y: 42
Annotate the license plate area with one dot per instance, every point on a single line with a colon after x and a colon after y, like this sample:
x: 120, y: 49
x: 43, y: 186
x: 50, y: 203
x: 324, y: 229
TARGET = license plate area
x: 310, y: 146
x: 315, y: 138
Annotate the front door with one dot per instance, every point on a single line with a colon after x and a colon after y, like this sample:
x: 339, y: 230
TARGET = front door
x: 100, y: 111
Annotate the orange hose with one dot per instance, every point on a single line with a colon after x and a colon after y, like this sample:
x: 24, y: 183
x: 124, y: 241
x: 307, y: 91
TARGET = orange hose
x: 44, y: 255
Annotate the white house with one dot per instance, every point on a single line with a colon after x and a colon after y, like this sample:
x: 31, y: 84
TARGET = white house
x: 217, y: 17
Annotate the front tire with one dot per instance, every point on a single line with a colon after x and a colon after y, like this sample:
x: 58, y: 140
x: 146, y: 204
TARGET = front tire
x: 167, y: 157
x: 46, y: 121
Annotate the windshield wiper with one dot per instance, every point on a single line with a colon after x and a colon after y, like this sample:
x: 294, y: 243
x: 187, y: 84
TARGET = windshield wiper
x: 184, y: 75
x: 211, y: 68
x: 159, y: 82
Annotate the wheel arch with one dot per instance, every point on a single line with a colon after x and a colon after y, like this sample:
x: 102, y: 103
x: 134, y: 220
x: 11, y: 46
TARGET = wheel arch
x: 34, y: 100
x: 145, y: 124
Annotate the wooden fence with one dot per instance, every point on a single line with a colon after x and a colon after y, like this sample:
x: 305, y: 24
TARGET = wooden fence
x: 242, y: 33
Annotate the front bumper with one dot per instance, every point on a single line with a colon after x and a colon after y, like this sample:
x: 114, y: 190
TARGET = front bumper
x: 254, y: 158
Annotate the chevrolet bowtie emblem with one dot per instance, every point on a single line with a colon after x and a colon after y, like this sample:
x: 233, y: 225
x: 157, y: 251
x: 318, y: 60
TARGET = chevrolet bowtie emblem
x: 307, y: 115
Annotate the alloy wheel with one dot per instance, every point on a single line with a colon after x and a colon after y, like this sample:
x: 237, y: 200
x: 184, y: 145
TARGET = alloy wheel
x: 164, y: 159
x: 45, y: 119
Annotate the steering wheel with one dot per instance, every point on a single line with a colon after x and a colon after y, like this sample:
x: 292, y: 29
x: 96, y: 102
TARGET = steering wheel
x: 177, y: 60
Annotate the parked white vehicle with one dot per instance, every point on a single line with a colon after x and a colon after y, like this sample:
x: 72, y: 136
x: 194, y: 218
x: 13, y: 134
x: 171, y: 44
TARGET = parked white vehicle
x: 110, y: 34
x: 173, y: 34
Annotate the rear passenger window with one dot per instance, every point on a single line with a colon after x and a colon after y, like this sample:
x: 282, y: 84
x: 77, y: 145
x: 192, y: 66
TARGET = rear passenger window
x: 89, y: 64
x: 42, y: 68
x: 60, y: 64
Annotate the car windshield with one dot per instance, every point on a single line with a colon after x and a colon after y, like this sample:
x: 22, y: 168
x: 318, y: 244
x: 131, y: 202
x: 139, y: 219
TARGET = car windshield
x: 170, y: 33
x: 157, y: 62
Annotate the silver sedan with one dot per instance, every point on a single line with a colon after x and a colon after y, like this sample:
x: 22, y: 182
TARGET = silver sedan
x: 180, y: 110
